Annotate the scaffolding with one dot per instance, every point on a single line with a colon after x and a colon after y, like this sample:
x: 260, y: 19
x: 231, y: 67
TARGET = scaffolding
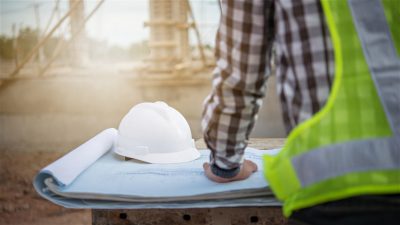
x: 170, y: 51
x: 169, y: 36
x: 77, y: 23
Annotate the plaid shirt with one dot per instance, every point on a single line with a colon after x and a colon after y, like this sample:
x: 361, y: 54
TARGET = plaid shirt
x: 304, y: 62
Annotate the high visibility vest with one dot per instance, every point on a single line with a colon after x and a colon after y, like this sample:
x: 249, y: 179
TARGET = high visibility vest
x: 352, y: 145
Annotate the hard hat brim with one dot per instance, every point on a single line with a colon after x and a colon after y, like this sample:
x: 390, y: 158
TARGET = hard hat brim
x: 186, y: 155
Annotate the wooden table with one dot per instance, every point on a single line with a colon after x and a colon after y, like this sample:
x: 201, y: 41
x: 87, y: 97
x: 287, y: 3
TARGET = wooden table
x: 206, y: 216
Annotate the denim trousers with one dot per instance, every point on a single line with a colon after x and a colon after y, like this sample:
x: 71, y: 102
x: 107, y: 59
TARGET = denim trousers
x: 360, y: 210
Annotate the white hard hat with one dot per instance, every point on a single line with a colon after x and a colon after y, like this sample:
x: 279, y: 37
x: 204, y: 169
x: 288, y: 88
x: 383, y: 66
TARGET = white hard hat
x: 155, y: 133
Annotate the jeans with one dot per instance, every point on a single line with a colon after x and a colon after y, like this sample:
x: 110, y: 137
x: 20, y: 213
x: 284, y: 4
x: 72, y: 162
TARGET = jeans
x: 360, y: 210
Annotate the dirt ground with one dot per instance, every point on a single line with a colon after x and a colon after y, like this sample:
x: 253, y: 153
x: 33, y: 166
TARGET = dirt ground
x: 19, y: 202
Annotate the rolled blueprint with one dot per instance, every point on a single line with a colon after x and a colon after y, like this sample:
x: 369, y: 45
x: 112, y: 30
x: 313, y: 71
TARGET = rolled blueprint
x: 65, y: 170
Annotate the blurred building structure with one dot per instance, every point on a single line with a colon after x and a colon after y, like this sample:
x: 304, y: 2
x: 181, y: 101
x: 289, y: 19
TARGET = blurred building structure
x: 170, y: 51
x: 62, y: 106
x: 79, y: 46
x: 169, y: 35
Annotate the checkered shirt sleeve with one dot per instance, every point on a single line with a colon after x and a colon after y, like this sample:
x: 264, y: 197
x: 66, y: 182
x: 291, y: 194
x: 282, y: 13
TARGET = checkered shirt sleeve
x: 304, y: 61
x: 242, y: 47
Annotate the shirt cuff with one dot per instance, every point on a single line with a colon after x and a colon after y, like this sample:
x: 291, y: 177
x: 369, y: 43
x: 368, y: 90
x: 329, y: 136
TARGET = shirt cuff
x: 224, y: 173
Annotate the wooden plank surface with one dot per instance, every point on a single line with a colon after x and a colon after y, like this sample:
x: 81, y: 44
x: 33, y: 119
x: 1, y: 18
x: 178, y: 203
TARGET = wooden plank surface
x: 208, y: 216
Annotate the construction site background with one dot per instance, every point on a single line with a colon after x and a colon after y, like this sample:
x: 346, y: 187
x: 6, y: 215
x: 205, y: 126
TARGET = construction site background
x: 59, y: 86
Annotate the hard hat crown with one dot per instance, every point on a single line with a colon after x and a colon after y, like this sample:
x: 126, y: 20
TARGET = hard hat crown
x: 155, y: 133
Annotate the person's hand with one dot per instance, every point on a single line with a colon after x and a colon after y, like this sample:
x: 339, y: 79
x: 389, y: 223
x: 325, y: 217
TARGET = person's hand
x: 248, y: 167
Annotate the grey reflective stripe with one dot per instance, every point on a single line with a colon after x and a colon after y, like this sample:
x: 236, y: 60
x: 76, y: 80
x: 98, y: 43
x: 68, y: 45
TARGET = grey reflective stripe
x: 340, y: 159
x: 380, y: 53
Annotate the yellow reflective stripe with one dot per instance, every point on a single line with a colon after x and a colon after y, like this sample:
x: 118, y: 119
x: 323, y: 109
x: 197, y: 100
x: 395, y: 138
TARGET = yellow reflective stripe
x: 281, y: 187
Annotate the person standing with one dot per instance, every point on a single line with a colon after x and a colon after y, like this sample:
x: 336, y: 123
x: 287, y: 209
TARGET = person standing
x: 338, y: 76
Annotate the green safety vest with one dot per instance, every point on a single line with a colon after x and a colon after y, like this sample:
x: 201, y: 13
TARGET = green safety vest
x: 352, y: 145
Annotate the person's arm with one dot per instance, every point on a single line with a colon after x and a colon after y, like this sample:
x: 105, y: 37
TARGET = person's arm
x: 243, y: 47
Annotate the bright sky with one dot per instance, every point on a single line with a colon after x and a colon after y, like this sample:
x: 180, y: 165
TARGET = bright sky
x: 119, y: 22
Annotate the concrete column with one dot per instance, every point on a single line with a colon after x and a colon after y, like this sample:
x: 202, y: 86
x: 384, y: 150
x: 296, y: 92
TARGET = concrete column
x: 169, y: 41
